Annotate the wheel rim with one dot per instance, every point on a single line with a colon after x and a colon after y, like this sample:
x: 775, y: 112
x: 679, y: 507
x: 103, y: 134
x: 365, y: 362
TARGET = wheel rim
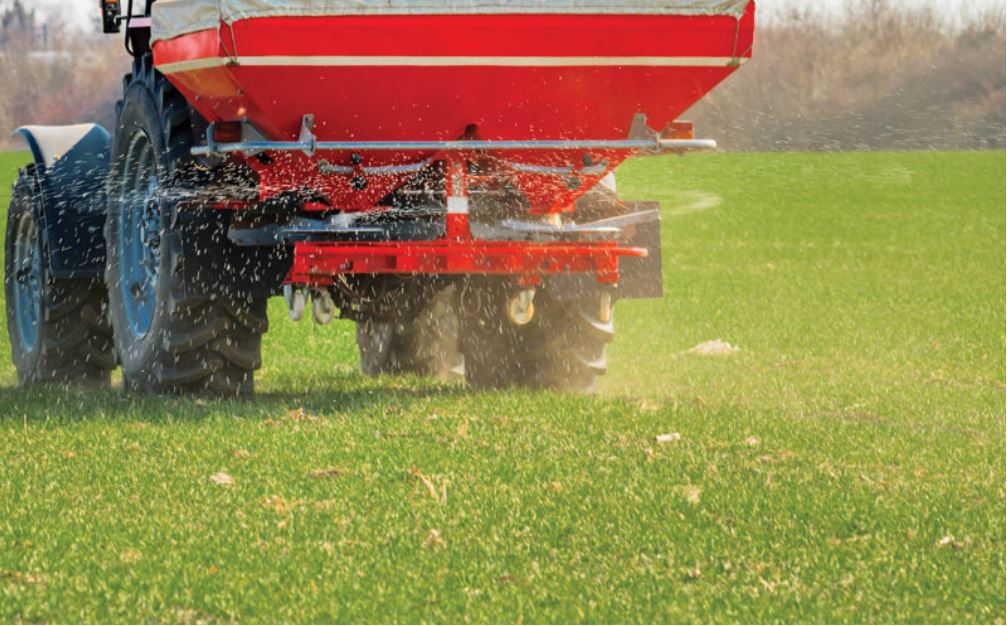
x: 139, y: 234
x: 27, y: 280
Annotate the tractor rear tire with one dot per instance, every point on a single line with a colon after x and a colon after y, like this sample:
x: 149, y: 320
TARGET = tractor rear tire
x: 58, y: 328
x: 574, y: 353
x: 562, y: 348
x: 170, y: 337
x: 426, y: 344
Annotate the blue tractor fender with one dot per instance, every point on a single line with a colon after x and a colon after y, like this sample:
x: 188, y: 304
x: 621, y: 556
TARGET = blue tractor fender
x: 71, y: 165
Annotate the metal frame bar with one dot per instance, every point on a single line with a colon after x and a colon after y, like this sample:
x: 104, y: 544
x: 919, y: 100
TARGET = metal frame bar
x: 641, y: 139
x: 662, y: 145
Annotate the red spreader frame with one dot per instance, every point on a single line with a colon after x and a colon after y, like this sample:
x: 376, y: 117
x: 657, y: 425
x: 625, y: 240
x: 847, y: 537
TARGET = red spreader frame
x: 318, y: 263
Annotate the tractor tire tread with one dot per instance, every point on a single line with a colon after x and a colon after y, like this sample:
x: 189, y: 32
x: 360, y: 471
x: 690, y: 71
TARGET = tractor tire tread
x: 564, y: 347
x: 75, y: 336
x: 424, y: 344
x: 208, y: 344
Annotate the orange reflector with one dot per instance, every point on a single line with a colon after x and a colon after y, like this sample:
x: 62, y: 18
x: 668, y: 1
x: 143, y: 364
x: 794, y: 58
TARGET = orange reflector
x: 679, y: 130
x: 227, y: 132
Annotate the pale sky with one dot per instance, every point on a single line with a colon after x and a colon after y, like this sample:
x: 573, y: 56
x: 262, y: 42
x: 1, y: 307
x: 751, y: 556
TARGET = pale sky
x: 84, y: 13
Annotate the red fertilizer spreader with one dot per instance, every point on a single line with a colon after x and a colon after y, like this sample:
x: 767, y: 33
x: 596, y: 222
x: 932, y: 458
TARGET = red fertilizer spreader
x: 439, y: 172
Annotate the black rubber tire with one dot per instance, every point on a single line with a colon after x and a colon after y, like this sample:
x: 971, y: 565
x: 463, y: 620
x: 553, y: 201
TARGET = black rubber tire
x: 563, y: 347
x: 426, y: 344
x: 74, y: 342
x: 495, y: 351
x: 574, y: 351
x: 196, y: 343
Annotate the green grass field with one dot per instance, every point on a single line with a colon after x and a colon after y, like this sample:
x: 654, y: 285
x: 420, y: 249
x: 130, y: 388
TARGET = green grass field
x: 847, y: 465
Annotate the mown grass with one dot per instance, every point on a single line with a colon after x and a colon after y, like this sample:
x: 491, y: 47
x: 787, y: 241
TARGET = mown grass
x: 847, y: 465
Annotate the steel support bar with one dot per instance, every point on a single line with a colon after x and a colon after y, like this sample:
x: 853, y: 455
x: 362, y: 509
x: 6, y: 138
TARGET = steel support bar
x: 657, y: 145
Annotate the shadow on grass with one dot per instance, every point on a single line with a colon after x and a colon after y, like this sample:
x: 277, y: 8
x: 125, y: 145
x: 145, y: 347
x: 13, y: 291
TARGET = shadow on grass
x: 340, y: 393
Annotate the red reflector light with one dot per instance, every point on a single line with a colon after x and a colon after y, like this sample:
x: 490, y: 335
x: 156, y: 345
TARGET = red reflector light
x: 227, y: 132
x: 679, y: 130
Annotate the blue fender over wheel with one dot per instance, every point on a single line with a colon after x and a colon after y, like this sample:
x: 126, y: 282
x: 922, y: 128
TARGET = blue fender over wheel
x: 69, y: 167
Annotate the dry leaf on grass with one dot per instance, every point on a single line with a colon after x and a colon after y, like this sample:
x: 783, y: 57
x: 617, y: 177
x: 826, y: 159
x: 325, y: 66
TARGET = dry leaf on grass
x: 434, y: 540
x: 691, y: 493
x: 222, y: 478
x: 752, y: 441
x: 241, y: 453
x: 948, y: 541
x: 431, y: 488
x: 299, y: 415
x: 715, y: 347
x: 669, y: 438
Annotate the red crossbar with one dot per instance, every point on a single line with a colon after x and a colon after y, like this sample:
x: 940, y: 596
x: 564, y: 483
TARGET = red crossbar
x: 316, y: 263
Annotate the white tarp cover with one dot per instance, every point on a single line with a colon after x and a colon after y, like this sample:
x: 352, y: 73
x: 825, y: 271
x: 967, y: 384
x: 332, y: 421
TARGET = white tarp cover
x: 172, y: 18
